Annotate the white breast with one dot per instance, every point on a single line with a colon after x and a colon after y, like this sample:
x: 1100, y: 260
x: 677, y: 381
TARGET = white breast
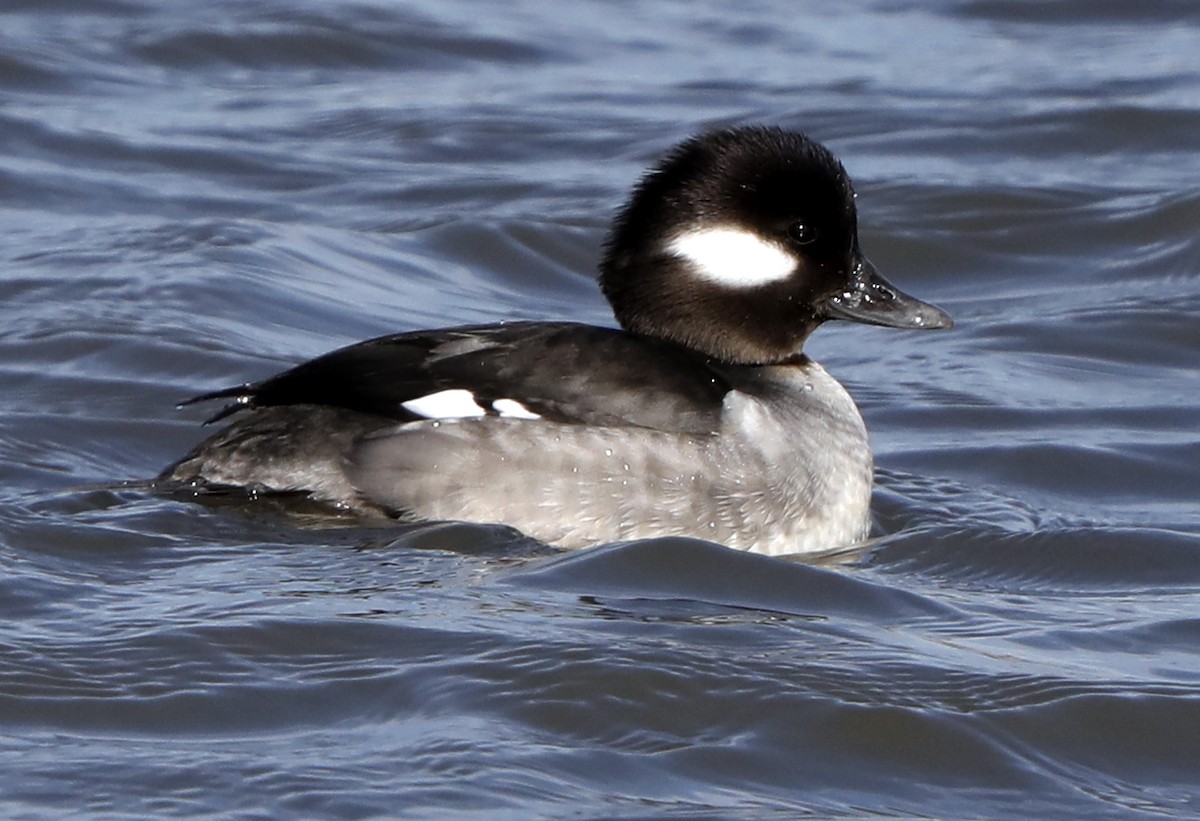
x: 805, y: 461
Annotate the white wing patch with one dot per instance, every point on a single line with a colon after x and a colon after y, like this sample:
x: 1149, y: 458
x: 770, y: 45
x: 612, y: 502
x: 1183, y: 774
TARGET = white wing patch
x: 460, y: 403
x: 456, y: 403
x: 733, y: 256
x: 513, y: 409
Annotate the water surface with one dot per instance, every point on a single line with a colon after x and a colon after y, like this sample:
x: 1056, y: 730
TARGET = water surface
x: 197, y: 195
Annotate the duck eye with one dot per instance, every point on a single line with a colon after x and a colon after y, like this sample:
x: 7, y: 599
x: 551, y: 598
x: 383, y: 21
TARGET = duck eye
x: 802, y: 233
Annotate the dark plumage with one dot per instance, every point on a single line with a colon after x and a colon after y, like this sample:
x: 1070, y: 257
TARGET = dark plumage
x: 702, y: 417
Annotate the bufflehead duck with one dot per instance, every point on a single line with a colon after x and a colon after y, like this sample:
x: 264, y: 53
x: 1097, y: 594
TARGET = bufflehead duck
x: 702, y: 417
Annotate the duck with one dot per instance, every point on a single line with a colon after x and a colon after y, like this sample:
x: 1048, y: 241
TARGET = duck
x: 700, y: 416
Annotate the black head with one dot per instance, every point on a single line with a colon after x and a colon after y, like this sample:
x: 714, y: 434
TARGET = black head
x: 740, y: 243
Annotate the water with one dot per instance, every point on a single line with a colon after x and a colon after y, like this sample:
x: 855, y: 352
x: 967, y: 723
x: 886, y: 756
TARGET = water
x: 195, y: 195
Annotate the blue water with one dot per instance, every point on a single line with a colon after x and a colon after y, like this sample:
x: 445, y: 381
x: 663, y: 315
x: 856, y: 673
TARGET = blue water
x: 197, y: 195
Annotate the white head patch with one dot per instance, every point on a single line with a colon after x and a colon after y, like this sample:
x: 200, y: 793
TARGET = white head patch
x: 733, y: 256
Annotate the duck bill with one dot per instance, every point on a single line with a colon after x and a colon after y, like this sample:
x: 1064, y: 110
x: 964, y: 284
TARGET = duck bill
x: 873, y: 300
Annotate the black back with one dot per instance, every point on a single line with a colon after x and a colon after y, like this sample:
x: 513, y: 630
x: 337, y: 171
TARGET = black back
x: 564, y: 372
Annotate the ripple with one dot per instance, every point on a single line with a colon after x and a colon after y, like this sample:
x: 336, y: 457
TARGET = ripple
x: 1090, y: 559
x: 314, y: 41
x: 677, y: 568
x: 1071, y: 12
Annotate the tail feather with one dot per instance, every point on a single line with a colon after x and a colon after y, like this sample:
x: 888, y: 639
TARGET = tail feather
x: 242, y: 396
